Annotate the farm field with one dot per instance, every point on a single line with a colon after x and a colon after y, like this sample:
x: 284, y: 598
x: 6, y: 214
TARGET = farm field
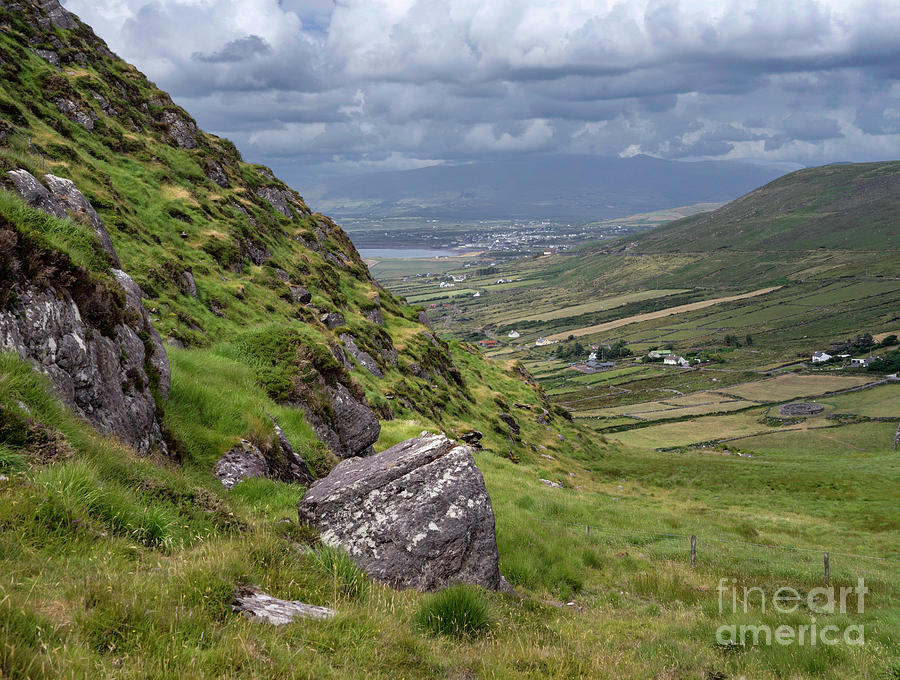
x: 704, y: 429
x: 849, y: 441
x: 649, y: 316
x: 793, y: 386
x: 879, y: 402
x: 667, y: 409
x: 604, y: 303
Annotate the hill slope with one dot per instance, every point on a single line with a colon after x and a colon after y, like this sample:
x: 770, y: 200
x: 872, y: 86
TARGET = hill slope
x: 235, y: 269
x: 548, y: 187
x: 847, y: 206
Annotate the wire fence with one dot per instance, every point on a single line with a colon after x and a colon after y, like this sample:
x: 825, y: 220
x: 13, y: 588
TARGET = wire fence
x: 686, y: 545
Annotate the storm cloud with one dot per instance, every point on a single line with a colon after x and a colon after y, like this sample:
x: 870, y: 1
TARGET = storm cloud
x: 313, y: 87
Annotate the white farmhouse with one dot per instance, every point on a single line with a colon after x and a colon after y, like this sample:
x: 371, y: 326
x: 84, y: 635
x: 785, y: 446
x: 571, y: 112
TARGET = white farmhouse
x: 513, y: 334
x: 676, y: 360
x: 820, y: 357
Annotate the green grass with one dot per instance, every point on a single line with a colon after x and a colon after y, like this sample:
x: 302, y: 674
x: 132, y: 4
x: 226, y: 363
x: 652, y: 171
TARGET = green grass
x: 457, y: 611
x: 147, y: 572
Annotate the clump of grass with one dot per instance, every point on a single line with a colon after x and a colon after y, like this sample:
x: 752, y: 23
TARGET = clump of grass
x: 456, y: 611
x: 347, y: 580
x: 11, y: 462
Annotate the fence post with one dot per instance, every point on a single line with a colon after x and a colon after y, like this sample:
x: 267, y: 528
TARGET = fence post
x: 827, y: 568
x: 693, y: 550
x: 588, y: 528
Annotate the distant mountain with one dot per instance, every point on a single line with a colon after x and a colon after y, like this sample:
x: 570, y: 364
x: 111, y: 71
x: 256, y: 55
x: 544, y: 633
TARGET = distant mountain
x: 853, y: 206
x: 547, y: 187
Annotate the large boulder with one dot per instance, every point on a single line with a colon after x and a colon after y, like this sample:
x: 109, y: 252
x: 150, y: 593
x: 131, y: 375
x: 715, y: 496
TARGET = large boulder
x: 414, y: 516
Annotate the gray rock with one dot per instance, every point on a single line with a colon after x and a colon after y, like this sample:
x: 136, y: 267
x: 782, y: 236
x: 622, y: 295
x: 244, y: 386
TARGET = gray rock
x: 101, y: 378
x: 216, y: 173
x: 554, y: 485
x: 242, y: 462
x: 158, y: 357
x: 104, y: 104
x: 256, y: 605
x: 353, y: 427
x: 332, y: 320
x: 76, y: 205
x: 423, y: 318
x: 62, y: 199
x: 182, y: 132
x: 282, y: 275
x: 49, y: 56
x: 509, y: 420
x: 414, y: 516
x: 59, y: 17
x: 294, y: 468
x: 390, y: 356
x: 258, y: 254
x: 75, y: 114
x: 364, y: 358
x: 190, y: 286
x: 301, y: 295
x: 375, y: 316
x: 35, y: 194
x: 280, y: 199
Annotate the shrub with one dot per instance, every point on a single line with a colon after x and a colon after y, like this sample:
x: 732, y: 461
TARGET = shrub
x: 456, y: 611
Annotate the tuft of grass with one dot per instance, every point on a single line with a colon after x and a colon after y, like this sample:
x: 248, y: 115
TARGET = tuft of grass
x: 346, y: 579
x: 456, y: 611
x: 11, y: 462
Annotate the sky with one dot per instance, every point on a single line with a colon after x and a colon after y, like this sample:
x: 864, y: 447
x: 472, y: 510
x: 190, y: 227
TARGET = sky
x: 317, y: 88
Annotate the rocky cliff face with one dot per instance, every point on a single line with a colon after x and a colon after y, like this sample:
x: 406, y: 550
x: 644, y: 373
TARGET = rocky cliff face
x: 92, y: 337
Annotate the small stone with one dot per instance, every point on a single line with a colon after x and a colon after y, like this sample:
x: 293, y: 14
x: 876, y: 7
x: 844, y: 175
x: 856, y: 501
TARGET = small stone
x: 555, y: 485
x: 332, y: 320
x: 256, y: 605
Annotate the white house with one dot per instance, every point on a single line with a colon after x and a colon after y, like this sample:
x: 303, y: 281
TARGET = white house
x: 675, y: 360
x: 513, y: 334
x: 444, y: 284
x: 502, y: 280
x: 860, y: 363
x: 477, y: 294
x: 820, y: 357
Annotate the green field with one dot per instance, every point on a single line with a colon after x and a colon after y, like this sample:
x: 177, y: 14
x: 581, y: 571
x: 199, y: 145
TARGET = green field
x: 604, y: 303
x: 881, y: 401
x: 859, y: 441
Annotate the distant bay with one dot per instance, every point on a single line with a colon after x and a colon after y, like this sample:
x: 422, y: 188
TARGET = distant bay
x: 404, y: 253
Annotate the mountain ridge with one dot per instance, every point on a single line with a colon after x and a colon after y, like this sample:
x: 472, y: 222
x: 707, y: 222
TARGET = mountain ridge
x: 852, y: 206
x: 562, y: 187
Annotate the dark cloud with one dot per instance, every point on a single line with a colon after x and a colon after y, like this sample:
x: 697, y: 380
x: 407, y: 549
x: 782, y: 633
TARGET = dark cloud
x: 319, y: 86
x: 236, y: 50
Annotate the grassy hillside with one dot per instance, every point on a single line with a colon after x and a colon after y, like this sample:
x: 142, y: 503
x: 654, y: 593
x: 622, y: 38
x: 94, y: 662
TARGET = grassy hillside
x: 114, y: 565
x: 848, y: 206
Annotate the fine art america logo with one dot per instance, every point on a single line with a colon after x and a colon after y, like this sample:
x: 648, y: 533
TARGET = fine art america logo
x: 786, y: 601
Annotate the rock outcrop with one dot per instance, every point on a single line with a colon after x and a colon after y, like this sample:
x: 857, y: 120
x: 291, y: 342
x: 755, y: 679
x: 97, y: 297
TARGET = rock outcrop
x: 244, y: 461
x: 414, y: 516
x: 364, y: 358
x: 352, y: 428
x: 61, y: 198
x: 102, y: 377
x: 275, y: 461
x: 96, y: 344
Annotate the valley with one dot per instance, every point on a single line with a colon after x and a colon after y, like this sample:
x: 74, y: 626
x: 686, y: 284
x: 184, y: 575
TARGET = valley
x: 561, y: 446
